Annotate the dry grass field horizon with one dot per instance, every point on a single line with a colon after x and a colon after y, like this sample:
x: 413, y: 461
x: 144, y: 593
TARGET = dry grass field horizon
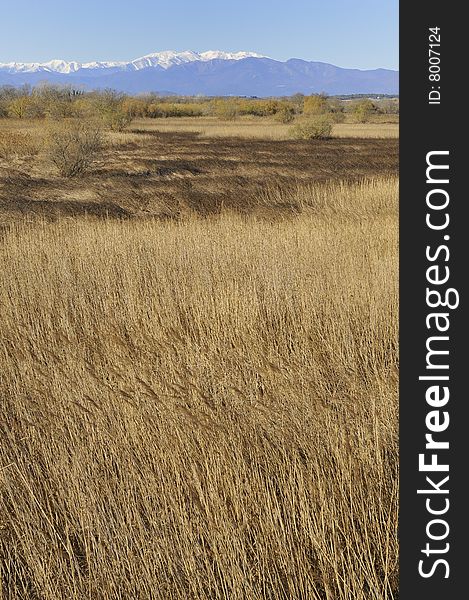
x: 199, y: 370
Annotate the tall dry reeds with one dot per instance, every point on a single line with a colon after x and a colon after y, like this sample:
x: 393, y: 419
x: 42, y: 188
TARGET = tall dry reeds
x: 202, y: 409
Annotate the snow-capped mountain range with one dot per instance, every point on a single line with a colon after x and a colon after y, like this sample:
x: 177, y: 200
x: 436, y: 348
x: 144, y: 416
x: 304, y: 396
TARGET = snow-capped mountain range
x: 210, y: 73
x: 165, y: 59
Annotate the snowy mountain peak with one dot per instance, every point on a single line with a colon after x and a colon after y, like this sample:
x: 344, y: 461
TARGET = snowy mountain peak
x: 165, y: 60
x: 210, y: 73
x: 61, y: 66
x: 217, y: 54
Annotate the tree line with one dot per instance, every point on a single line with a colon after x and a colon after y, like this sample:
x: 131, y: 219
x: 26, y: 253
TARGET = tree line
x: 117, y: 110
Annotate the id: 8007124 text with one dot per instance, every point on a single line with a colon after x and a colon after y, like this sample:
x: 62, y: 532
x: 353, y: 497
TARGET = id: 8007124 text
x: 434, y: 65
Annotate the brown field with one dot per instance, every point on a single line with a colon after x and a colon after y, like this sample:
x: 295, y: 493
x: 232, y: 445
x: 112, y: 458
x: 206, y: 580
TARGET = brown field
x: 198, y: 371
x: 165, y: 174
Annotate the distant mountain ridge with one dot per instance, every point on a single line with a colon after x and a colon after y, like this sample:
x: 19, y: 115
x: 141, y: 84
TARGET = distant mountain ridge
x: 208, y: 73
x: 165, y: 59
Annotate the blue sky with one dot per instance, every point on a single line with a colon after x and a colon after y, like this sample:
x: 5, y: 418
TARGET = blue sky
x: 347, y: 33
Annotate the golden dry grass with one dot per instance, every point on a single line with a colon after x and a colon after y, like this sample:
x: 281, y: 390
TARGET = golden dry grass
x: 258, y: 128
x: 366, y: 130
x: 14, y: 145
x: 203, y: 409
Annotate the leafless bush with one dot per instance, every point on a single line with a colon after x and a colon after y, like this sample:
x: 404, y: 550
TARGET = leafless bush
x: 73, y: 147
x: 118, y: 119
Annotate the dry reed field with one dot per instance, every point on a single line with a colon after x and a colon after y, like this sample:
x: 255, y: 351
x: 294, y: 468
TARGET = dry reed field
x: 203, y: 407
x: 260, y: 128
x: 144, y: 173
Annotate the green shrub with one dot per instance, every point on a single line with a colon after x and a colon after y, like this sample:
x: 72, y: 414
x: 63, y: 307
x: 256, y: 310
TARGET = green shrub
x: 319, y: 128
x: 285, y: 114
x: 316, y: 104
x: 363, y: 110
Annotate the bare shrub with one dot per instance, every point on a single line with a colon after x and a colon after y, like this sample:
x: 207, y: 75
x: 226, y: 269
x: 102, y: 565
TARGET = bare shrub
x: 73, y: 147
x: 18, y: 107
x: 318, y: 128
x: 226, y: 110
x: 337, y: 116
x: 117, y: 119
x: 114, y: 110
